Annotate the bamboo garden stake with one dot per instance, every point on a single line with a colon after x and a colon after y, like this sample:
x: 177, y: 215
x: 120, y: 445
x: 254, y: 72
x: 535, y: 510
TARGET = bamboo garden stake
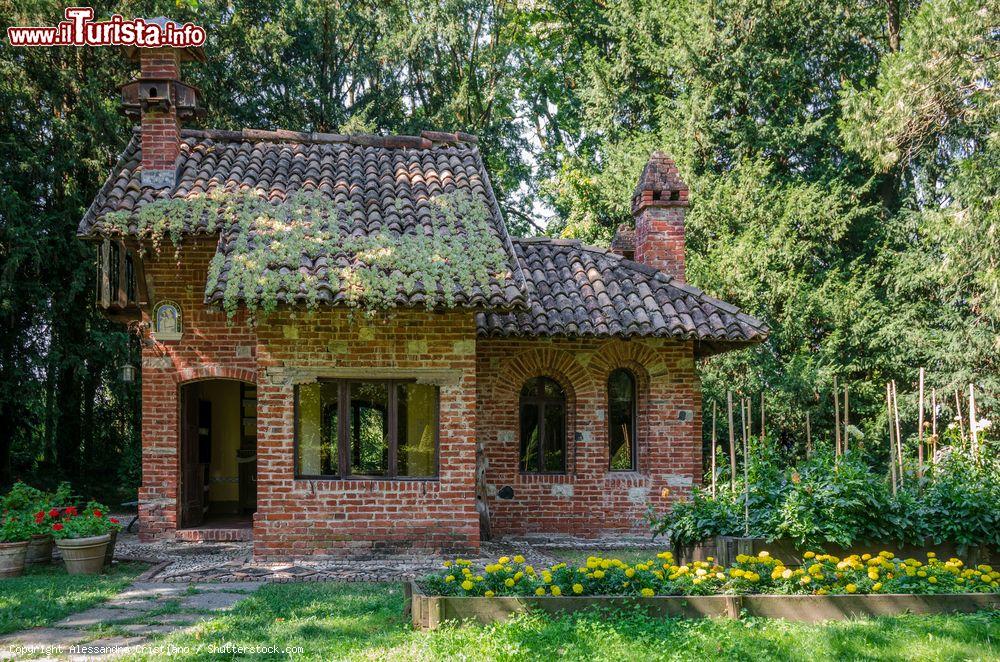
x: 899, y: 436
x: 892, y: 443
x: 714, y: 408
x: 732, y: 442
x: 933, y: 424
x: 762, y: 416
x: 847, y: 409
x: 973, y: 431
x: 920, y: 429
x: 836, y: 417
x: 958, y: 416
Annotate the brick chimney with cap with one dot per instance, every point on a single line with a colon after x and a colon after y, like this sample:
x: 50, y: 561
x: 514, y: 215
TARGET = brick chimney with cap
x: 159, y: 100
x: 658, y: 206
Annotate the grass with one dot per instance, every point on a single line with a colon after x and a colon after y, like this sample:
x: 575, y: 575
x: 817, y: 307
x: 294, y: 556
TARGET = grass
x: 46, y: 594
x: 364, y: 622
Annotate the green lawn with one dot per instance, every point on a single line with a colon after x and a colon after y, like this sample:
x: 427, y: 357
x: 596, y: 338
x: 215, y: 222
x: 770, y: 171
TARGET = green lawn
x: 364, y: 621
x: 47, y: 594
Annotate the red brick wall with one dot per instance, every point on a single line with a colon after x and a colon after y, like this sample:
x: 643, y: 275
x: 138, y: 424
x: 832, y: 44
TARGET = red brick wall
x: 669, y: 453
x: 364, y: 517
x: 209, y: 348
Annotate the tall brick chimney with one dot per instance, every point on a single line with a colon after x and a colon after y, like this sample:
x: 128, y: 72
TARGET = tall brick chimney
x: 658, y: 206
x: 159, y: 100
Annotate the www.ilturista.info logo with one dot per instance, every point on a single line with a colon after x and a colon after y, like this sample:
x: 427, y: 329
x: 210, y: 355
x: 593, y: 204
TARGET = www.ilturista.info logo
x: 80, y: 29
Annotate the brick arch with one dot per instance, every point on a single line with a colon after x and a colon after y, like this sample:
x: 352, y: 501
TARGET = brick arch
x: 202, y: 373
x: 544, y: 362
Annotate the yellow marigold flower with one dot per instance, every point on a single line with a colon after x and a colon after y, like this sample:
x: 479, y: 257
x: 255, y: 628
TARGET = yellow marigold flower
x: 630, y: 573
x: 877, y: 586
x: 598, y: 574
x: 931, y: 555
x: 921, y: 573
x: 764, y: 554
x: 539, y: 591
x: 851, y: 588
x: 821, y: 591
x: 528, y: 569
x: 932, y: 580
x: 449, y: 578
x: 503, y: 559
x: 658, y: 574
x: 809, y: 555
x: 718, y: 575
x: 736, y: 572
x: 518, y: 559
x: 578, y: 588
x: 865, y: 557
x: 489, y: 594
x: 647, y: 592
x: 518, y: 575
x: 547, y: 578
x: 805, y: 580
x: 701, y: 572
x: 447, y: 564
x: 786, y: 574
x: 509, y: 583
x: 741, y: 558
x: 467, y: 585
x: 556, y: 590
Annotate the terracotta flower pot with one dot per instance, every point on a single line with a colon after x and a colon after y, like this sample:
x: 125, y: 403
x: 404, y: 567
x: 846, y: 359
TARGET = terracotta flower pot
x: 12, y: 558
x: 84, y: 556
x: 109, y: 555
x: 39, y: 549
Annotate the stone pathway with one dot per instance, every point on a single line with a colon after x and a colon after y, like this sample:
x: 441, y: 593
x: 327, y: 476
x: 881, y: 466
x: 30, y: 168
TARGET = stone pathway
x: 139, y: 615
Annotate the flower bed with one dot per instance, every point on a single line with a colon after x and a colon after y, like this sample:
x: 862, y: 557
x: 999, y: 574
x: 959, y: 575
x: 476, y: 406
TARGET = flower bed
x: 828, y: 587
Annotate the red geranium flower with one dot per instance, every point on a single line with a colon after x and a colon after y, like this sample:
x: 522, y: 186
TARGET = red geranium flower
x: 40, y: 514
x: 39, y: 520
x: 114, y: 520
x: 98, y: 513
x: 57, y: 527
x: 54, y: 512
x: 71, y: 511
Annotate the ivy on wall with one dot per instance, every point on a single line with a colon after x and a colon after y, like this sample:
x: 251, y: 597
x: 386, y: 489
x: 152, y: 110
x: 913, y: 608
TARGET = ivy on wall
x: 273, y: 245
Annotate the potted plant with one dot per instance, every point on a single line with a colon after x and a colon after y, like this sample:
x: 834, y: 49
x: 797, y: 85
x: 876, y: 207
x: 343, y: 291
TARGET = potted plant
x: 114, y: 526
x: 41, y: 507
x: 15, y: 531
x: 83, y: 539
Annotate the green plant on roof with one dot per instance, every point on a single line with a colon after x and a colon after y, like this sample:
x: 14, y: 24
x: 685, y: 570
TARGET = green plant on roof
x: 269, y: 241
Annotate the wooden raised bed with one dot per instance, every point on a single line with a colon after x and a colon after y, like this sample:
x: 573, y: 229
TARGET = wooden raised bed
x: 428, y: 612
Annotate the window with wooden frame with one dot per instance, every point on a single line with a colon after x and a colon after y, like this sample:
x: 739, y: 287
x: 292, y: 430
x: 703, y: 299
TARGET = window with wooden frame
x: 622, y: 415
x: 366, y: 429
x: 543, y: 426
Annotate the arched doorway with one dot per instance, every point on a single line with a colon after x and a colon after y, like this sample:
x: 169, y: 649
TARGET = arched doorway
x: 218, y: 454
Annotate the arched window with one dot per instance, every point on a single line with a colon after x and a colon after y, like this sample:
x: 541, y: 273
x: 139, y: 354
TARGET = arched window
x: 543, y: 426
x: 621, y: 421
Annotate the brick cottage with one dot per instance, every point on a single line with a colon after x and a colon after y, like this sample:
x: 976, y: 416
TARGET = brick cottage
x: 558, y: 395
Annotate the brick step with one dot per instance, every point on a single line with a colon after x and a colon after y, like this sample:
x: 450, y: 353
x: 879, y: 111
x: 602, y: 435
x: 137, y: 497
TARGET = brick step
x: 243, y: 534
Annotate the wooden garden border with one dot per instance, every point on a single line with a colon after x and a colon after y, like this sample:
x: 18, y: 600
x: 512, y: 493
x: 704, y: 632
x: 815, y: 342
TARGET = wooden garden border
x: 428, y: 612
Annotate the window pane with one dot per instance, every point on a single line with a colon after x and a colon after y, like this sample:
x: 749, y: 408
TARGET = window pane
x: 317, y: 430
x: 529, y: 437
x: 369, y: 429
x: 555, y: 437
x: 621, y: 420
x: 416, y: 426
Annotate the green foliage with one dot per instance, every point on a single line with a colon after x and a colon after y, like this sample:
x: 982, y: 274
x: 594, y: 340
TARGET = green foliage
x: 91, y: 521
x: 15, y: 527
x: 823, y: 500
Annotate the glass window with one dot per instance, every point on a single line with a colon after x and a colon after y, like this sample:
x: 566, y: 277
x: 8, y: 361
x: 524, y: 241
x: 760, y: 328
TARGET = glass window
x: 416, y: 425
x: 378, y: 428
x: 543, y: 426
x: 621, y: 421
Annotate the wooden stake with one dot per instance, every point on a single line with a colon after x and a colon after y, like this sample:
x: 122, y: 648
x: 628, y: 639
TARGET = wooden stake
x: 809, y: 441
x: 715, y: 406
x: 762, y: 416
x: 933, y: 424
x: 920, y: 430
x: 836, y: 417
x: 746, y: 475
x: 847, y: 409
x: 892, y: 443
x: 958, y: 415
x: 744, y: 415
x: 973, y: 431
x: 732, y: 442
x: 899, y: 436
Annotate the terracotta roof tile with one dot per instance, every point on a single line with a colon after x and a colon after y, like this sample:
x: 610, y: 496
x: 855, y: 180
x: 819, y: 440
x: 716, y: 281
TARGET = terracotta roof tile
x: 580, y: 291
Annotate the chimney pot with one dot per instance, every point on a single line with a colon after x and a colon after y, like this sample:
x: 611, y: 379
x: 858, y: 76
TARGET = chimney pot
x: 658, y: 206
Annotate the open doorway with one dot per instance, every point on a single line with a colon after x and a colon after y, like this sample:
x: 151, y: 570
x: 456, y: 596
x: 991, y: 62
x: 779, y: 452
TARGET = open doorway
x: 218, y: 459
